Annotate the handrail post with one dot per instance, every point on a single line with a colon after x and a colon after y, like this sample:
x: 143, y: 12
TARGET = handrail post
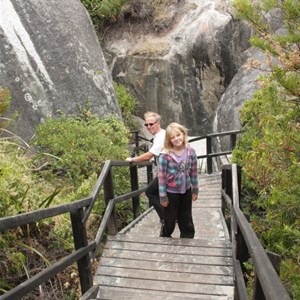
x: 209, y: 151
x: 149, y: 173
x: 137, y: 143
x: 108, y: 195
x: 80, y: 240
x: 135, y: 186
x: 232, y: 141
x: 242, y: 253
x: 227, y: 180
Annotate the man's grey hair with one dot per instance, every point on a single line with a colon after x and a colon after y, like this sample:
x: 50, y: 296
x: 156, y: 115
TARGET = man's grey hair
x: 151, y: 114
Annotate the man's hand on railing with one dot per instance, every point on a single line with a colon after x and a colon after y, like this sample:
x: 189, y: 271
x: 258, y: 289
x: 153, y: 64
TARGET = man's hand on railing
x: 130, y: 159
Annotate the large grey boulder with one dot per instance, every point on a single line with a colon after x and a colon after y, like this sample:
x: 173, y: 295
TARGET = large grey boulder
x: 51, y: 61
x: 241, y: 88
x: 182, y: 71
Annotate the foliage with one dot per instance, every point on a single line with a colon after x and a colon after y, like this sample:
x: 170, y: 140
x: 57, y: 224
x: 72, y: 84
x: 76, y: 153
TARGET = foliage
x: 104, y: 13
x: 69, y: 152
x: 74, y: 148
x: 269, y: 150
x: 127, y: 104
x: 283, y: 45
x: 4, y: 100
x: 103, y: 10
x: 17, y: 185
x: 22, y: 191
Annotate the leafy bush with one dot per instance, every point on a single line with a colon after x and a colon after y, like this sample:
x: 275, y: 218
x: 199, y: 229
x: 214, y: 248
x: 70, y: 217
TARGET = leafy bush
x: 74, y: 148
x: 67, y: 159
x: 103, y: 10
x: 21, y: 191
x: 4, y: 100
x: 269, y: 149
x: 127, y: 104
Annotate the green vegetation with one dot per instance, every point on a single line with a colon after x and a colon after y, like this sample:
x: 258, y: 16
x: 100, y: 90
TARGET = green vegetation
x: 4, y: 100
x: 60, y: 166
x: 269, y: 149
x: 102, y: 11
x: 127, y: 104
x: 75, y: 148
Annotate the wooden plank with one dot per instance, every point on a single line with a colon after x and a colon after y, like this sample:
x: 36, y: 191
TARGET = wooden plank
x: 206, y: 194
x: 120, y: 293
x: 213, y: 190
x: 214, y: 203
x: 165, y: 266
x: 164, y: 275
x: 206, y: 183
x: 200, y: 233
x: 208, y: 223
x: 169, y: 241
x: 169, y: 257
x: 175, y: 249
x: 158, y: 285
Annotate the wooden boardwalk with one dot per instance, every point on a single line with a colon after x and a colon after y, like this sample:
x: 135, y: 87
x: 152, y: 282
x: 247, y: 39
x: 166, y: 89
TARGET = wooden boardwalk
x: 138, y: 264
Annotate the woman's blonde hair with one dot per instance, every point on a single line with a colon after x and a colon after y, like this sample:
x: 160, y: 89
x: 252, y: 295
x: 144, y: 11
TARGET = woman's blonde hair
x: 174, y: 127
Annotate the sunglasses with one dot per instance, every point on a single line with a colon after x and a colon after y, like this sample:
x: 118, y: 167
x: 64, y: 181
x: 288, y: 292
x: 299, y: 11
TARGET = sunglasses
x: 150, y: 124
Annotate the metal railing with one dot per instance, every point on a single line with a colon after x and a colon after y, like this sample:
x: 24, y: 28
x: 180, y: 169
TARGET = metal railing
x: 141, y: 144
x: 210, y: 153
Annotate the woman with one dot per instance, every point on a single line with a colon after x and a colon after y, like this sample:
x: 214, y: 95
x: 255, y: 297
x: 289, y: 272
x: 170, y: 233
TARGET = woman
x: 178, y: 182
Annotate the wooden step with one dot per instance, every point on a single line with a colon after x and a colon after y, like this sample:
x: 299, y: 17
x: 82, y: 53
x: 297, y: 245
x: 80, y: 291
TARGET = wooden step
x: 138, y: 264
x: 107, y: 292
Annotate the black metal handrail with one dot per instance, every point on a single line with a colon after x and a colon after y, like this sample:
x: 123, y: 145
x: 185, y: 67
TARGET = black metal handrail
x: 245, y: 244
x: 210, y: 154
x: 136, y: 140
x: 209, y: 138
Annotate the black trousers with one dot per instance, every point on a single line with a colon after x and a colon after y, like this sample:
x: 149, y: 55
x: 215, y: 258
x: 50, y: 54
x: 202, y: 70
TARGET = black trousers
x: 180, y: 209
x: 152, y: 193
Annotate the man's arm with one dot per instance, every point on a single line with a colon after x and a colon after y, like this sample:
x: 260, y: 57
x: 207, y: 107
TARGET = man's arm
x: 143, y: 157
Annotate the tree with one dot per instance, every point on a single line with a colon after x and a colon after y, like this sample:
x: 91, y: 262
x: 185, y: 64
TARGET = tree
x: 269, y: 149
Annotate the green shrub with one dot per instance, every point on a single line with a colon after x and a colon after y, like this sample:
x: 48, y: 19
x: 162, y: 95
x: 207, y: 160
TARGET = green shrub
x: 102, y: 11
x: 21, y: 191
x: 4, y: 100
x: 127, y: 104
x: 72, y: 144
x: 269, y: 149
x: 74, y: 148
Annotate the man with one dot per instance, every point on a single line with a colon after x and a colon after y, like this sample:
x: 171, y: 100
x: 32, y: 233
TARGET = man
x: 152, y: 122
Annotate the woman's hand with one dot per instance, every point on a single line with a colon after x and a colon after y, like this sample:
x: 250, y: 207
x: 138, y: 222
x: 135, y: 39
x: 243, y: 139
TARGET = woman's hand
x: 194, y: 197
x: 164, y: 204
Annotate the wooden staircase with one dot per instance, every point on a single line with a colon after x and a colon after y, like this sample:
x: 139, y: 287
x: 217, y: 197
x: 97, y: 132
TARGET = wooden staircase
x: 138, y: 264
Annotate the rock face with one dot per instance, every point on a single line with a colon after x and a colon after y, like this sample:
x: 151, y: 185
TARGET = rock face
x: 181, y: 72
x: 241, y: 88
x: 51, y: 61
